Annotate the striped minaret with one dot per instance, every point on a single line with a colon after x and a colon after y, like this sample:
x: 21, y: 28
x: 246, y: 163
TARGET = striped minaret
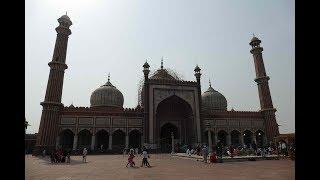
x: 48, y: 129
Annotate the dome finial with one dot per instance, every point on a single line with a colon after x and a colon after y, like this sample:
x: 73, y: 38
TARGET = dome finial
x: 209, y: 83
x: 162, y: 62
x: 108, y: 77
x: 66, y: 13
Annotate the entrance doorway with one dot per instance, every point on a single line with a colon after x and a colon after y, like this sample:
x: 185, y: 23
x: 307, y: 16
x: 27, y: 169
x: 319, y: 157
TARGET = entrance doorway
x: 175, y: 115
x: 165, y: 137
x: 134, y: 139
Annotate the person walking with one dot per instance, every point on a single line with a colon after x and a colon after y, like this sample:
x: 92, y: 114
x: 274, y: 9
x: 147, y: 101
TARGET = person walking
x: 130, y: 158
x: 84, y: 155
x: 205, y: 153
x: 145, y: 157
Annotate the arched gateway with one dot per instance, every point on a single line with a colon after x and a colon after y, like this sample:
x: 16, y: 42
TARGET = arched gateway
x: 173, y: 115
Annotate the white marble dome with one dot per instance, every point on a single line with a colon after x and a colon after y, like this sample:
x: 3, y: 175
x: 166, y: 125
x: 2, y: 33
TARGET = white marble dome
x: 213, y: 100
x: 106, y: 95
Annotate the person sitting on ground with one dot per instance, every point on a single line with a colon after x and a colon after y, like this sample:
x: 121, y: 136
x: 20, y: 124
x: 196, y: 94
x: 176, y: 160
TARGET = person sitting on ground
x: 213, y: 157
x: 284, y: 149
x: 56, y: 156
x: 259, y: 152
x: 44, y: 153
x: 231, y: 151
x: 188, y: 152
x: 264, y: 152
x: 52, y: 157
x: 68, y: 157
x: 198, y: 150
x: 228, y: 153
x: 270, y: 150
x: 192, y: 151
x: 60, y: 154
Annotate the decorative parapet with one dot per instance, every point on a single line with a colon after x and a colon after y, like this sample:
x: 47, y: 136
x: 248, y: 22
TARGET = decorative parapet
x: 173, y: 82
x: 102, y: 111
x: 233, y: 114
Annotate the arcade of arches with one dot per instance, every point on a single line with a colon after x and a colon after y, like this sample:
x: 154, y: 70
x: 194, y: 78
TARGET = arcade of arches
x: 235, y: 137
x: 101, y: 140
x: 119, y: 140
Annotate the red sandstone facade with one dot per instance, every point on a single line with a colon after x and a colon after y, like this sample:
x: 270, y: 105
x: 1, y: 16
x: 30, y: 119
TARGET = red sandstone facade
x: 169, y: 105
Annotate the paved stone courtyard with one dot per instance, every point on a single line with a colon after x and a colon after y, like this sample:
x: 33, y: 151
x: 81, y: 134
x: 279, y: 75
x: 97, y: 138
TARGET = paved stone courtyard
x: 102, y: 167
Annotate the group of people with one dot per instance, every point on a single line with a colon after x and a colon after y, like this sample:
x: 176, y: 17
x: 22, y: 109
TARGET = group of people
x: 63, y: 156
x: 59, y: 156
x: 144, y: 155
x: 135, y: 151
x: 220, y: 150
x: 194, y: 151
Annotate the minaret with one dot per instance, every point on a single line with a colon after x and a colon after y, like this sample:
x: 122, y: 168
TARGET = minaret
x: 197, y: 74
x: 262, y: 79
x: 48, y: 130
x: 146, y: 72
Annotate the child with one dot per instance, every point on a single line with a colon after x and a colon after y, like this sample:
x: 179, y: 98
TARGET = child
x: 130, y: 158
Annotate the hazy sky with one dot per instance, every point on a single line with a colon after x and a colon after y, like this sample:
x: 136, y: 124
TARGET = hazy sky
x: 117, y: 36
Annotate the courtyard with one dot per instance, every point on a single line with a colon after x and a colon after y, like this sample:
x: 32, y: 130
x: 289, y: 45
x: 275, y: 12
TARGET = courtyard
x: 164, y: 166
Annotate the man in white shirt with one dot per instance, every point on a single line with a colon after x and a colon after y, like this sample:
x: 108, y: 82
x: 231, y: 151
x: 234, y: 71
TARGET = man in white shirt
x: 84, y: 155
x: 145, y: 158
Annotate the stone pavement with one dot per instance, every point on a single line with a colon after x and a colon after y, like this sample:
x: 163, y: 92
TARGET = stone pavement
x: 164, y: 166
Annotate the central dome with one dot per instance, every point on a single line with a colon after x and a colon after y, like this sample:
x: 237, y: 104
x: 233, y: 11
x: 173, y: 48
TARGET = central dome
x: 162, y: 74
x: 106, y: 95
x: 213, y: 100
x: 165, y: 74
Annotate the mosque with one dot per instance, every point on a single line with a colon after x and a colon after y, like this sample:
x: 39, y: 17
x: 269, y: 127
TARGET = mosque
x: 168, y: 106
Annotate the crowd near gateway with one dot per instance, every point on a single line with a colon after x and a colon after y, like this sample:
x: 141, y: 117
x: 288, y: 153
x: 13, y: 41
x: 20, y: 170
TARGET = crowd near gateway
x: 169, y: 105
